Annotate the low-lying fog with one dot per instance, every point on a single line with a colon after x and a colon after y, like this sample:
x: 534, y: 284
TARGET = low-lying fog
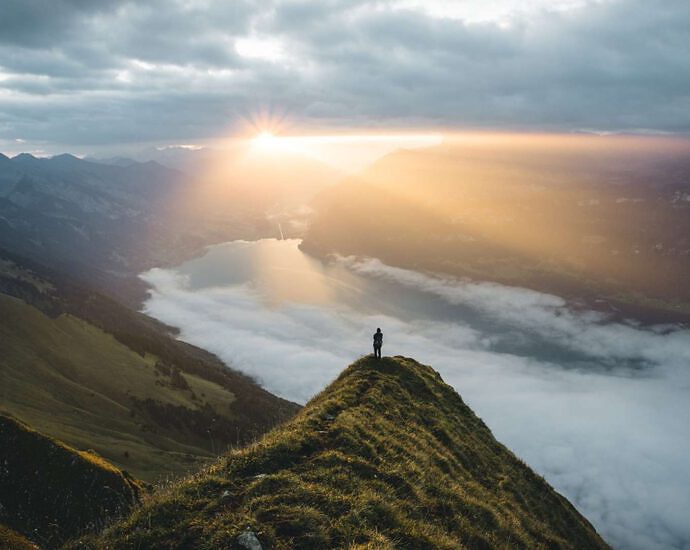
x: 601, y: 410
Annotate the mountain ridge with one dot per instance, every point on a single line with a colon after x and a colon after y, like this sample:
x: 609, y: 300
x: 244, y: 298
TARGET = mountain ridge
x: 388, y: 456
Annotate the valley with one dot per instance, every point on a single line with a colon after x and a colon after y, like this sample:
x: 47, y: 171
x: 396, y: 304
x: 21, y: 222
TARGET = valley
x: 103, y: 224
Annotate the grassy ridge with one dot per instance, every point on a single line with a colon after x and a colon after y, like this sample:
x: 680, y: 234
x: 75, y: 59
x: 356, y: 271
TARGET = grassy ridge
x: 388, y: 456
x: 50, y: 492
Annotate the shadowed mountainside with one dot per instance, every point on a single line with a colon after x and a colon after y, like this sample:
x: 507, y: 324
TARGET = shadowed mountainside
x: 50, y: 492
x: 388, y: 456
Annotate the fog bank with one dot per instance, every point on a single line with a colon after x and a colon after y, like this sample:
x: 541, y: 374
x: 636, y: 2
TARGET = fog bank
x: 600, y: 409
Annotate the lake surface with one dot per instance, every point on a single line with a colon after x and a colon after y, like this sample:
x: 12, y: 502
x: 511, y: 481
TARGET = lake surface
x: 600, y: 409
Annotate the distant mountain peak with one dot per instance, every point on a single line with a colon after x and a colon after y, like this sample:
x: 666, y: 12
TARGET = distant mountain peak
x: 152, y: 164
x: 123, y: 162
x: 65, y: 157
x: 24, y: 157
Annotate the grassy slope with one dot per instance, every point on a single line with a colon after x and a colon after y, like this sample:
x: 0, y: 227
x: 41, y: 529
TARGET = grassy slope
x: 86, y: 370
x: 72, y: 380
x: 50, y: 492
x: 388, y: 456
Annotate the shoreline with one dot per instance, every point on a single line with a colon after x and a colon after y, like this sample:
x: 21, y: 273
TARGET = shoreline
x: 616, y: 311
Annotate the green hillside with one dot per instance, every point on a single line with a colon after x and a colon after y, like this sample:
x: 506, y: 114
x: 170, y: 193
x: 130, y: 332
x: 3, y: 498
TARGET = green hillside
x: 50, y: 492
x: 388, y: 456
x: 83, y: 369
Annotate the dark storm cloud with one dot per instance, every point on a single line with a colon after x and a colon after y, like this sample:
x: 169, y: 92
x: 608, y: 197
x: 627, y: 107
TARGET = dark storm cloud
x: 78, y: 72
x: 42, y: 23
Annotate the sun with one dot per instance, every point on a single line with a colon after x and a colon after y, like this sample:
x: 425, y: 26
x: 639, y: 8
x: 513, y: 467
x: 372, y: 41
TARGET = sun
x: 265, y: 140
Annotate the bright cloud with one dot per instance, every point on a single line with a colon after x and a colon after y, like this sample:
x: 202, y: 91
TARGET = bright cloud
x: 260, y: 48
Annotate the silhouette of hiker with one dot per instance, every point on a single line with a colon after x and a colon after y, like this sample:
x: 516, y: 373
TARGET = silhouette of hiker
x: 378, y: 342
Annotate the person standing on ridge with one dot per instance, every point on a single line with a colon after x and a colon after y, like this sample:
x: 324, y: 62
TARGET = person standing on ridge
x: 378, y: 343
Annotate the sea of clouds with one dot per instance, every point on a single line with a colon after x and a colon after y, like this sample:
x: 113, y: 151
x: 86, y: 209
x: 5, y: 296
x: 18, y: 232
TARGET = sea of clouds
x: 609, y: 428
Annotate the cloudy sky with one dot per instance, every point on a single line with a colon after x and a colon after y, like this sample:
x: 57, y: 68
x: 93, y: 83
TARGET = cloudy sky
x: 87, y: 75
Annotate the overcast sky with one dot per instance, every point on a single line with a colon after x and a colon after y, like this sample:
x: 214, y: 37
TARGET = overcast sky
x: 87, y: 74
